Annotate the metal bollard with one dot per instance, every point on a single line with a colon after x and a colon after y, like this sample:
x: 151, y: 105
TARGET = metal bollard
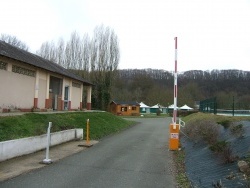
x: 87, y: 139
x: 47, y: 160
x: 87, y: 143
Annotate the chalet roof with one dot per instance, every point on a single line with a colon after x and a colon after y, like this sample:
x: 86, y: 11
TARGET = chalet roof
x: 126, y: 103
x: 16, y: 53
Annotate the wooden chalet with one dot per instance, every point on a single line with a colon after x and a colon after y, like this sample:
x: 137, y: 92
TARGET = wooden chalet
x: 125, y: 108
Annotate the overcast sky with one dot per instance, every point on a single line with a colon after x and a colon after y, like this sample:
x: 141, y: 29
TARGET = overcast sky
x: 212, y: 34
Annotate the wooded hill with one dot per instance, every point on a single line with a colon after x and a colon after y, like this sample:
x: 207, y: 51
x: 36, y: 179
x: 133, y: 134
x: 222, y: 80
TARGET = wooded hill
x: 154, y: 86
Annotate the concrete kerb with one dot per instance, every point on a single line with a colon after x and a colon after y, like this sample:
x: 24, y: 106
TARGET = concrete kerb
x: 48, y: 112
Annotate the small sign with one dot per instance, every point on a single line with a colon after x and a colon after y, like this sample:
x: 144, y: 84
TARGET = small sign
x: 174, y: 136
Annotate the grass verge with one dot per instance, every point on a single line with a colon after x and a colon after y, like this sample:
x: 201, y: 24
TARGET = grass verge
x: 218, y: 118
x: 32, y: 124
x: 180, y: 172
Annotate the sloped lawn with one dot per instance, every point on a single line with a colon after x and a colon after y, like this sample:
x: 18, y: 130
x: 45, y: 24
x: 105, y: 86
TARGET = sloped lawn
x: 32, y: 124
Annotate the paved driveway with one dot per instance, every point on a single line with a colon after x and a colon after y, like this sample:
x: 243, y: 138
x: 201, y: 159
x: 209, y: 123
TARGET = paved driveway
x: 136, y: 157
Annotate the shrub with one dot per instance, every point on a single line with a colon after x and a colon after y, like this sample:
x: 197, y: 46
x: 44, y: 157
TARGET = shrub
x: 218, y: 146
x: 224, y: 149
x: 228, y: 156
x: 158, y: 112
x: 237, y: 130
x: 206, y: 130
x: 186, y: 113
x: 225, y: 123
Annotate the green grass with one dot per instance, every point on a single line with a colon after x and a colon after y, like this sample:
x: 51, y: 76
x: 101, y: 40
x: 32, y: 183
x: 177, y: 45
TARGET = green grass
x: 179, y: 160
x: 32, y: 124
x: 199, y: 116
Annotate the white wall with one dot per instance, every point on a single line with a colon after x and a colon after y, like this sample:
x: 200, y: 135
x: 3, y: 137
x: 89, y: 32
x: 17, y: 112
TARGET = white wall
x: 76, y: 98
x: 42, y: 89
x: 17, y: 90
x: 13, y: 148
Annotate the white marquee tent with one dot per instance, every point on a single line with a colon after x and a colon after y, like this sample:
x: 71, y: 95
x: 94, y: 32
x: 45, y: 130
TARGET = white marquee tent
x: 185, y: 107
x: 142, y: 105
x: 144, y: 108
x: 172, y: 106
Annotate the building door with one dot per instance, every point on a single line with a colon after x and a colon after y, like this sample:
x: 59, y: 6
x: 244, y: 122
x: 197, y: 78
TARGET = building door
x: 55, y: 88
x: 66, y: 98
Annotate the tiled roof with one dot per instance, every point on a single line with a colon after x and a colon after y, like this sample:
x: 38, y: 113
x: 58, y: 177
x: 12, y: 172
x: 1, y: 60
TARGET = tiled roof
x: 126, y: 102
x: 16, y: 53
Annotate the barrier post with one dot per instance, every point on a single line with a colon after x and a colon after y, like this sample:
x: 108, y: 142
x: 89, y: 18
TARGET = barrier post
x: 174, y: 128
x: 174, y: 136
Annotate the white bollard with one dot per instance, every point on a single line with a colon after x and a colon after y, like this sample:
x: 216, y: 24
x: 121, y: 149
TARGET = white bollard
x: 47, y: 160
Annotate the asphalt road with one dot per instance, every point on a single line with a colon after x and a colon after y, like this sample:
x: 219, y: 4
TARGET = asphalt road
x: 137, y: 157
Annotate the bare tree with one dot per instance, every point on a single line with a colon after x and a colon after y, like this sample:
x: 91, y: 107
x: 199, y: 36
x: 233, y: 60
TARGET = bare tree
x: 86, y: 55
x: 14, y: 41
x: 105, y: 57
x: 95, y: 58
x: 74, y: 51
x: 48, y: 51
x: 44, y: 50
x: 61, y: 52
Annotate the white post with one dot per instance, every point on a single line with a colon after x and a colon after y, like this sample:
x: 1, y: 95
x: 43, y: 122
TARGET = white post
x: 47, y: 160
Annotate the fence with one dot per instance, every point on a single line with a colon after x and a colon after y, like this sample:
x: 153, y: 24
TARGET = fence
x: 208, y: 105
x: 232, y: 107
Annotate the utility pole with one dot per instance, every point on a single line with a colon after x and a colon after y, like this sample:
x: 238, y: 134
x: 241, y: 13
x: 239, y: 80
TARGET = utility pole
x: 233, y: 105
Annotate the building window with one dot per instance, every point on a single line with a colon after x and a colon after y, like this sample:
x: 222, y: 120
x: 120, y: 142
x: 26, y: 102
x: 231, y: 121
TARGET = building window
x: 3, y: 65
x: 75, y: 84
x: 134, y: 108
x: 24, y: 71
x: 124, y: 109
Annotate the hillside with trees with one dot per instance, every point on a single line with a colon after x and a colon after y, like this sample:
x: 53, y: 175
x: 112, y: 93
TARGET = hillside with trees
x: 156, y: 86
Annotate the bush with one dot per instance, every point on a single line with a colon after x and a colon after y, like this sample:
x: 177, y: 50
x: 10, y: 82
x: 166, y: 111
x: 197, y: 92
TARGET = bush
x: 224, y: 123
x: 186, y: 113
x: 228, y: 156
x: 237, y: 130
x: 207, y: 130
x: 158, y: 112
x: 218, y: 146
x: 224, y: 149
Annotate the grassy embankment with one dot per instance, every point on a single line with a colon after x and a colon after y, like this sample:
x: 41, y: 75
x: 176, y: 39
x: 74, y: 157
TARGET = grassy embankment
x: 201, y: 121
x: 32, y: 124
